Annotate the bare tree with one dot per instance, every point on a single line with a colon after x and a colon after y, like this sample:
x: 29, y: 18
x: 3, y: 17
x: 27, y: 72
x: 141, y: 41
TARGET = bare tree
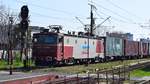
x: 5, y: 15
x: 3, y: 29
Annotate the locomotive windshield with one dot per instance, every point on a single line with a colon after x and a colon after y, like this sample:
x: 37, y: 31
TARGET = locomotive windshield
x: 45, y: 39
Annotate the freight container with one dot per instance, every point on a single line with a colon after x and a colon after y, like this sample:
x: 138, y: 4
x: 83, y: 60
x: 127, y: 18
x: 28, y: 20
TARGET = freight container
x: 143, y: 49
x: 114, y: 47
x: 131, y: 48
x: 149, y: 49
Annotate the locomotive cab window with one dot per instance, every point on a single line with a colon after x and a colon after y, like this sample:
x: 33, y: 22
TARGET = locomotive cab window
x: 46, y: 39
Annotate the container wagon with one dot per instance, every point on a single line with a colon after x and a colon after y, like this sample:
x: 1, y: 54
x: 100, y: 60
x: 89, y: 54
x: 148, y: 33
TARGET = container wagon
x: 114, y: 47
x: 131, y: 49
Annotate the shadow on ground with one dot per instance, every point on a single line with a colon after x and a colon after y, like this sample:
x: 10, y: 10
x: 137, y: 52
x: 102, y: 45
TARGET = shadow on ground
x: 146, y: 69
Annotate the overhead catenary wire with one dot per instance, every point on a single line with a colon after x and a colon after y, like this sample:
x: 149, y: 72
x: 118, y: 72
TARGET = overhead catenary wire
x: 48, y: 16
x: 116, y: 19
x: 52, y: 9
x: 98, y: 15
x: 127, y: 19
x: 36, y: 14
x: 43, y: 7
x: 126, y: 11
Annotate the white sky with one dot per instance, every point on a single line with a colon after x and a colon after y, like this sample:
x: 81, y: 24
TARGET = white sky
x: 126, y: 15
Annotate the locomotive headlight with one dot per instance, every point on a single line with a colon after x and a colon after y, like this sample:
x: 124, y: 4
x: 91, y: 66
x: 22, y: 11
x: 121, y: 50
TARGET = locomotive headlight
x: 35, y: 40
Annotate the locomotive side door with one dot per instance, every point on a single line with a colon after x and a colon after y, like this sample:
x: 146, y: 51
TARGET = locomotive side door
x: 61, y: 48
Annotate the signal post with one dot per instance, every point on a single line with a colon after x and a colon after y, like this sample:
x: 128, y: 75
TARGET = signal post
x: 24, y: 28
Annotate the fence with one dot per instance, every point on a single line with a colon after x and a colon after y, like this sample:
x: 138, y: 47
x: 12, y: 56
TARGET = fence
x: 73, y: 80
x: 107, y: 76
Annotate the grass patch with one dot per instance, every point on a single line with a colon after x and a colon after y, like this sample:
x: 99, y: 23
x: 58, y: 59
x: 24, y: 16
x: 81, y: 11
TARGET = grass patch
x: 91, y: 67
x: 75, y: 68
x: 141, y: 72
x: 4, y: 64
x: 17, y: 62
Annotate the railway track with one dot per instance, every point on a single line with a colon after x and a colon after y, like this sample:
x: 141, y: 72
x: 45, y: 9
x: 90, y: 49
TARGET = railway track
x: 143, y: 82
x: 132, y: 66
x: 122, y: 69
x: 121, y: 73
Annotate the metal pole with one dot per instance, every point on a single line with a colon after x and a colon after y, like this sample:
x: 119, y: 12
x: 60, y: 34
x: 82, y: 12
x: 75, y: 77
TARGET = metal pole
x: 119, y: 75
x: 88, y: 50
x: 88, y: 77
x: 26, y: 49
x: 98, y: 77
x: 92, y: 21
x: 65, y: 82
x: 124, y: 72
x: 106, y: 77
x: 78, y: 78
x: 129, y: 73
x: 10, y: 57
x: 88, y: 47
x: 113, y: 76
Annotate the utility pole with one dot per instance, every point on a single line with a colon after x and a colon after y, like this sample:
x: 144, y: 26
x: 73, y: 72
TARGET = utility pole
x: 90, y: 32
x: 92, y: 23
x: 88, y: 47
x: 92, y: 20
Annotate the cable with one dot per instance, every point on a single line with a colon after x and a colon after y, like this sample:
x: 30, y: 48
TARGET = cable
x: 129, y: 13
x: 115, y: 13
x: 56, y: 10
x: 51, y: 17
x: 119, y: 20
x: 98, y: 15
x: 47, y: 16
